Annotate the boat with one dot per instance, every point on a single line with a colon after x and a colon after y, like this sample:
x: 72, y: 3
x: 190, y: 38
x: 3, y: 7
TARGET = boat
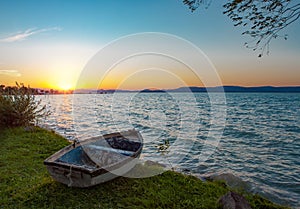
x: 96, y: 160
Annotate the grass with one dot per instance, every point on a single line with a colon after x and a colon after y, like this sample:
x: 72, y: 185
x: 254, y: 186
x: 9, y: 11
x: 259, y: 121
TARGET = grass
x: 25, y: 183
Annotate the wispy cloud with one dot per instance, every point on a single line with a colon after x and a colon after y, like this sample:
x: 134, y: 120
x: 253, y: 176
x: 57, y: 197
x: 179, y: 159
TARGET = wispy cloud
x: 20, y: 36
x: 13, y: 73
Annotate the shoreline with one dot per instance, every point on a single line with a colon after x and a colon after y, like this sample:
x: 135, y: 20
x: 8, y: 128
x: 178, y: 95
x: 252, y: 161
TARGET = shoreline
x: 26, y: 183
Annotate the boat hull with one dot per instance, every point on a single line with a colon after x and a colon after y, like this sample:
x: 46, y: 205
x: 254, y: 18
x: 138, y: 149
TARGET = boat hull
x: 76, y: 178
x: 89, y: 173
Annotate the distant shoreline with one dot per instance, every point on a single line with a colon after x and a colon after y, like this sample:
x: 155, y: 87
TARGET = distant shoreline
x: 188, y: 89
x: 227, y: 89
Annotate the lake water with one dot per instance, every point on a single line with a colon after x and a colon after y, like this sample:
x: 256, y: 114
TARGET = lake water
x: 260, y: 142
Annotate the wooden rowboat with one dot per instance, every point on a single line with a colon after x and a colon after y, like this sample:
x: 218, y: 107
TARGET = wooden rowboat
x: 96, y: 160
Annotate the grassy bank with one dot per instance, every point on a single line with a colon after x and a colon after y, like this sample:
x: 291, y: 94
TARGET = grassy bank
x: 25, y: 183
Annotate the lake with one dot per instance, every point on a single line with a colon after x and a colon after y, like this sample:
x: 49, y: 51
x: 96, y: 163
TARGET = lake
x: 259, y: 140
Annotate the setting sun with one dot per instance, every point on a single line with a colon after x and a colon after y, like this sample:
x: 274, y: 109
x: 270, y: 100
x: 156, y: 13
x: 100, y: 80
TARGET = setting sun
x: 65, y: 86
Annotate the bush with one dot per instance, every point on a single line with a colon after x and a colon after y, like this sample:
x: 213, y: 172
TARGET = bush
x: 19, y: 107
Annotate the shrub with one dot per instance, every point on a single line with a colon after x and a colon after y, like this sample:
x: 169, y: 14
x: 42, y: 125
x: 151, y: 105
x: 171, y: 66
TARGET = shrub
x: 19, y: 107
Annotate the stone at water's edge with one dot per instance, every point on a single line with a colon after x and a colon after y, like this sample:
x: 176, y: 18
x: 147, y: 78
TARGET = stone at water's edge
x: 152, y: 163
x: 231, y: 181
x: 233, y: 200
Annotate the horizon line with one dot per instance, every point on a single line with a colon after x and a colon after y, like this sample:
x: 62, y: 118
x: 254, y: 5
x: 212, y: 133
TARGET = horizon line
x: 155, y: 89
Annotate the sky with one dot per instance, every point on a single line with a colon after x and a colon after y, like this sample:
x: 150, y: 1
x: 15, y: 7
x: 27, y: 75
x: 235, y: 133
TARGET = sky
x: 47, y: 44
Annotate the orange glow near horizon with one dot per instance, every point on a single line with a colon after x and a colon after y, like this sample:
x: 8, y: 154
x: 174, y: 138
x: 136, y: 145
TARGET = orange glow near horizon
x: 144, y: 79
x: 148, y: 78
x: 35, y: 82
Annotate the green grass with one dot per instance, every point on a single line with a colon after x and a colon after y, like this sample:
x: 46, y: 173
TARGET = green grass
x: 25, y: 183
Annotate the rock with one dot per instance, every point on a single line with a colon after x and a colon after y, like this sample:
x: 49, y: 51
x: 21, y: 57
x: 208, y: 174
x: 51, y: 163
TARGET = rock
x: 233, y: 200
x: 152, y: 163
x: 232, y: 181
x: 186, y: 170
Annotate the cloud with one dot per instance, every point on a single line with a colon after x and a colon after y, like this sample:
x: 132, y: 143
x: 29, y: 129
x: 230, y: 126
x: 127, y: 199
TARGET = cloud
x: 20, y: 36
x: 13, y: 73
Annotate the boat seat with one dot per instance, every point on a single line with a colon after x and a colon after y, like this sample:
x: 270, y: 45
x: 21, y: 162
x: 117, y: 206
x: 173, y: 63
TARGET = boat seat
x: 108, y: 149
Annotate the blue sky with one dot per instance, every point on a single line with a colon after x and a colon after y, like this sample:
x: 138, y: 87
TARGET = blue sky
x: 59, y: 37
x: 103, y: 21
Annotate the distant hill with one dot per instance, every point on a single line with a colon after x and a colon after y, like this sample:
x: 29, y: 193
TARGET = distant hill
x: 288, y: 89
